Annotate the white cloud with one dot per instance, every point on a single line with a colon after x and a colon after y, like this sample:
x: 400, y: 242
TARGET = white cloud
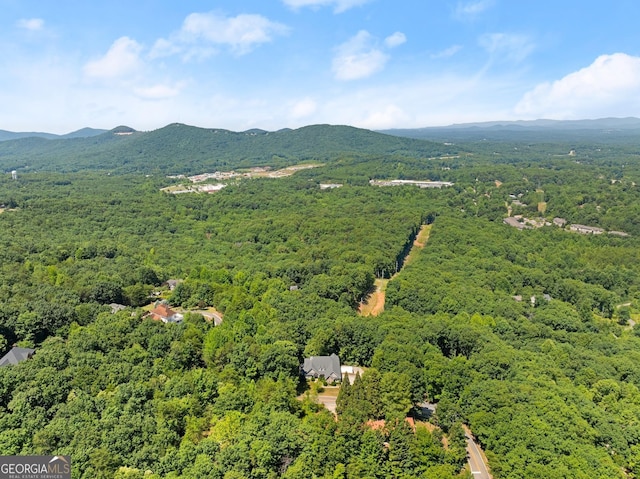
x: 469, y: 10
x: 385, y: 117
x: 202, y: 32
x: 358, y: 58
x: 339, y: 6
x: 610, y: 86
x: 163, y: 48
x: 159, y: 91
x: 122, y: 58
x: 507, y: 46
x: 303, y: 108
x: 397, y: 39
x: 447, y: 52
x: 31, y: 24
x: 425, y: 100
x: 416, y: 101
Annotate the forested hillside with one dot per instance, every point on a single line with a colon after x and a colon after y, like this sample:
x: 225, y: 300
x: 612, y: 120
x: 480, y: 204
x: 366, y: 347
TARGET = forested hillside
x: 528, y: 336
x: 550, y: 364
x: 179, y: 148
x: 82, y: 133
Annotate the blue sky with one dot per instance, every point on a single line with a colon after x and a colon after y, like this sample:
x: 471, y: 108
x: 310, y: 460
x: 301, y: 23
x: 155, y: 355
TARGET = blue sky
x: 287, y: 63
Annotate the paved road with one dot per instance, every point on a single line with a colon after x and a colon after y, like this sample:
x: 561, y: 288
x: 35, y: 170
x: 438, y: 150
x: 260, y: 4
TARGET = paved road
x: 210, y: 315
x: 479, y: 469
x: 329, y: 396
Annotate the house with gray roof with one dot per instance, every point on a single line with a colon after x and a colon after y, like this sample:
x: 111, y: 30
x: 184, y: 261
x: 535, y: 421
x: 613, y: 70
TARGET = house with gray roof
x: 172, y: 283
x: 115, y: 307
x: 16, y: 355
x: 327, y: 367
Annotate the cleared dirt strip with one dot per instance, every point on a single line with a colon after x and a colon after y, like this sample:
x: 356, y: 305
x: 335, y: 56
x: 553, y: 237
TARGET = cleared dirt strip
x: 374, y: 304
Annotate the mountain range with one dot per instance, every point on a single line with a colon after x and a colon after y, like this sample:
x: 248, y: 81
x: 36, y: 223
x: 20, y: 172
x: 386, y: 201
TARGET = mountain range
x: 82, y: 133
x: 179, y: 148
x: 603, y: 129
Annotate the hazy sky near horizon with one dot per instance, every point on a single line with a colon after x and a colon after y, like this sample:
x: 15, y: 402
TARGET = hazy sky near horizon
x: 287, y: 63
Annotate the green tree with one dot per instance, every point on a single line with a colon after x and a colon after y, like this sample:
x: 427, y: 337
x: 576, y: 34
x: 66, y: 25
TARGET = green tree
x: 396, y: 396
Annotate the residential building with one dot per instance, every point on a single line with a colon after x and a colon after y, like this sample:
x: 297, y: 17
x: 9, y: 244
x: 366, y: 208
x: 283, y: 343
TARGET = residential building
x: 16, y: 355
x: 327, y: 367
x: 162, y: 312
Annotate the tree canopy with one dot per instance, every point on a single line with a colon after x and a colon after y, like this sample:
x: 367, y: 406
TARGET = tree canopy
x: 528, y: 336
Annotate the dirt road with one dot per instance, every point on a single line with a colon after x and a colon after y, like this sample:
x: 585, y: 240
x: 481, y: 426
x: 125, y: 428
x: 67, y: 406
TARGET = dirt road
x: 374, y: 304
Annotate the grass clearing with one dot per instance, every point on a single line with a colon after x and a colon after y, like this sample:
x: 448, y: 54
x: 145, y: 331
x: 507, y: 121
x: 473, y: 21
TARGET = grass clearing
x: 419, y: 243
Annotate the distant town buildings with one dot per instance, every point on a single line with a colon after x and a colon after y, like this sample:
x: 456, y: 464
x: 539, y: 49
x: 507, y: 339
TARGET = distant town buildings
x: 559, y: 222
x: 516, y: 222
x: 218, y: 175
x: 587, y: 230
x: 212, y: 188
x: 420, y: 184
x: 522, y: 223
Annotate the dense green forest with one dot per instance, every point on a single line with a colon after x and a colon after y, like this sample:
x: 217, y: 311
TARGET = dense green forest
x: 526, y: 336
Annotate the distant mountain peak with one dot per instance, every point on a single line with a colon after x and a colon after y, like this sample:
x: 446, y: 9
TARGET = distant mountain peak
x: 85, y: 132
x: 123, y: 130
x: 255, y: 131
